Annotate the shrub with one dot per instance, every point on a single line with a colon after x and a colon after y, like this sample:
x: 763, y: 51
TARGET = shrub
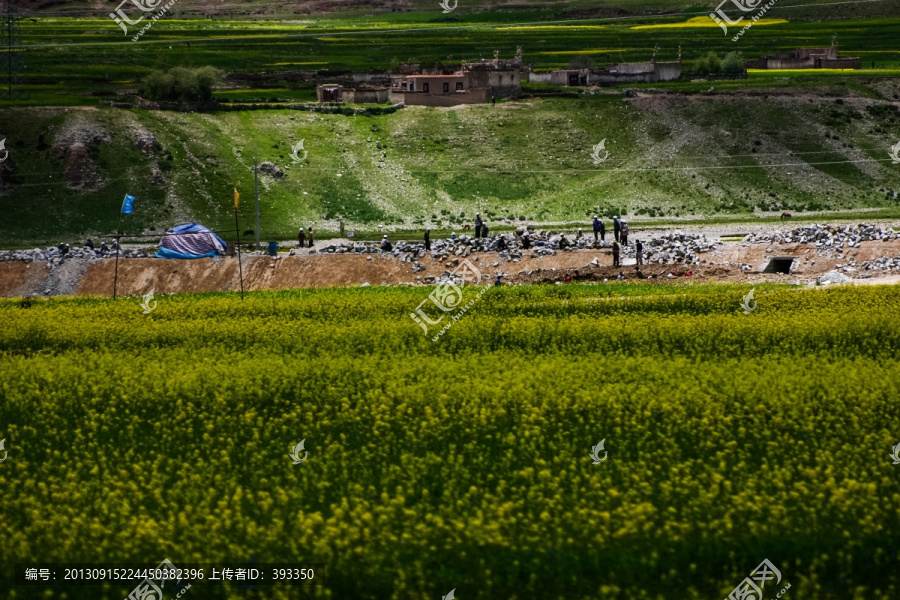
x: 181, y: 84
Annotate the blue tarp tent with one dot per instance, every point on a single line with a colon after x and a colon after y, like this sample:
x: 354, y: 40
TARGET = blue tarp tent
x: 190, y: 240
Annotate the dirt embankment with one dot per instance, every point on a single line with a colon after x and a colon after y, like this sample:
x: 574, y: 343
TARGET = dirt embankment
x: 141, y: 275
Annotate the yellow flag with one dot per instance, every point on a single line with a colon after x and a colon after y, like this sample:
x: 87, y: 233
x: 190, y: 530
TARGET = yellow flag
x: 237, y: 199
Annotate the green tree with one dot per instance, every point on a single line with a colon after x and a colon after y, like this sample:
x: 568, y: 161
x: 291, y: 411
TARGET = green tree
x: 732, y: 63
x: 709, y: 64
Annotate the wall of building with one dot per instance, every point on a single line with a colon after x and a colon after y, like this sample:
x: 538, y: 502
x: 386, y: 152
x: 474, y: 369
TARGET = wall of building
x: 541, y: 77
x: 503, y: 83
x: 842, y: 63
x: 436, y: 83
x: 367, y: 96
x: 667, y: 71
x: 623, y: 73
x: 329, y: 93
x: 472, y: 96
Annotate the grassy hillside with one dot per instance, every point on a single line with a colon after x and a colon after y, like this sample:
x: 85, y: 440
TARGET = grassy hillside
x: 670, y: 155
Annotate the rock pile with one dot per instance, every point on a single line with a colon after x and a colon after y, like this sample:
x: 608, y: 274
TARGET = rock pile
x: 885, y: 263
x: 831, y: 277
x: 829, y: 239
x: 55, y: 256
x: 677, y: 248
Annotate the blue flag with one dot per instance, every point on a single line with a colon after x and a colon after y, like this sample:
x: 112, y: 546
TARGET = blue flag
x: 128, y: 204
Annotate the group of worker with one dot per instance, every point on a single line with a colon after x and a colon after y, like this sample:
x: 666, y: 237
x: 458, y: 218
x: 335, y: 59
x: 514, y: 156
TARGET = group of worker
x: 301, y: 237
x: 620, y: 230
x: 620, y: 234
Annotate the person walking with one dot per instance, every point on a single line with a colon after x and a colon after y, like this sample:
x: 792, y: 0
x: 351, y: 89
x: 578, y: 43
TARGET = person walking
x: 639, y: 249
x: 615, y: 251
x: 428, y: 240
x: 597, y: 224
x: 301, y: 237
x: 311, y: 241
x: 616, y: 227
x: 479, y: 223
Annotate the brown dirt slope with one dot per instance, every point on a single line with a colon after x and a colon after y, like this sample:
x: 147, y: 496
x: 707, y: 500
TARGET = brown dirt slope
x: 140, y: 275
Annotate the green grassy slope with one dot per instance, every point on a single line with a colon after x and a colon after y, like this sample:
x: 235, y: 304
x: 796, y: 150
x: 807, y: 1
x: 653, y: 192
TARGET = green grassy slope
x: 669, y: 156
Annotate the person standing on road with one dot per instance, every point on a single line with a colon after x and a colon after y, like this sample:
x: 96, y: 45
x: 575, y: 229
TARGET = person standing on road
x: 639, y: 249
x: 301, y: 237
x: 615, y: 251
x: 428, y: 240
x: 616, y: 227
x: 311, y: 241
x: 478, y: 225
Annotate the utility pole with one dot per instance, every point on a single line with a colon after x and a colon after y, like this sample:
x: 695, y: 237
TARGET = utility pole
x: 256, y: 185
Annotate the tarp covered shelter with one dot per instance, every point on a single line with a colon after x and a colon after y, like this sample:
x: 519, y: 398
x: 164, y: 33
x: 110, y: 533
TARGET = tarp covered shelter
x: 190, y: 240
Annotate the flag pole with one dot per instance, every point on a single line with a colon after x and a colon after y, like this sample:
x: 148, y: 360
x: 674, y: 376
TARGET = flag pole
x: 237, y: 235
x: 256, y: 185
x: 116, y: 276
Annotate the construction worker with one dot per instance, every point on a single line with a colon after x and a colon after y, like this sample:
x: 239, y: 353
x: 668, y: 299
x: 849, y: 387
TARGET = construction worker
x: 597, y: 225
x: 478, y: 225
x: 311, y: 241
x: 301, y: 237
x: 615, y: 251
x: 639, y: 248
x: 428, y: 240
x: 616, y: 227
